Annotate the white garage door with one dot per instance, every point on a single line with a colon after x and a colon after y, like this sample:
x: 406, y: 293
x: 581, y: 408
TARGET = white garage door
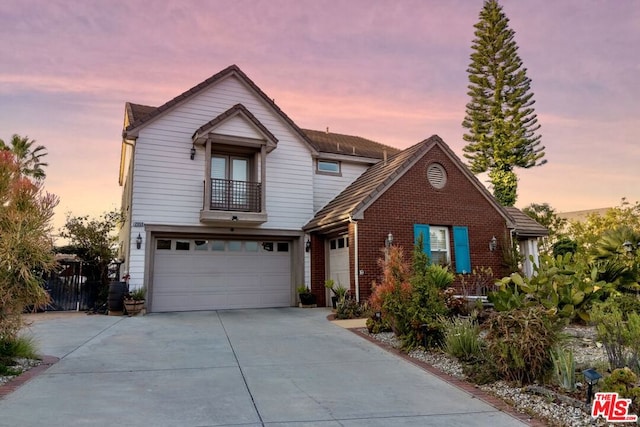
x: 192, y: 274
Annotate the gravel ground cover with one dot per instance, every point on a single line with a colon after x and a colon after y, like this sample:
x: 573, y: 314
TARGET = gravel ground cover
x: 540, y: 402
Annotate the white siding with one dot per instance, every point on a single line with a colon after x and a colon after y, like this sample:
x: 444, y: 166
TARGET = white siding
x: 238, y: 126
x: 327, y: 187
x: 168, y: 185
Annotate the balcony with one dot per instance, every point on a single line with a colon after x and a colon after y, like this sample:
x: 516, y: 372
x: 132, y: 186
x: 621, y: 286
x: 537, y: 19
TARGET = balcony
x: 232, y: 202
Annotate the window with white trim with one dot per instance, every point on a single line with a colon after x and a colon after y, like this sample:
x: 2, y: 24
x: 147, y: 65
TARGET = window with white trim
x: 435, y: 243
x: 328, y: 166
x: 439, y: 239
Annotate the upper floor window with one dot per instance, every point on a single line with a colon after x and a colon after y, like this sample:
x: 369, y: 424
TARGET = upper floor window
x: 328, y: 166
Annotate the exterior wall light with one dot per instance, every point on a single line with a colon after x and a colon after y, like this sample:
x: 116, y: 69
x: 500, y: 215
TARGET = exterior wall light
x: 193, y: 152
x: 139, y: 241
x: 307, y: 246
x: 493, y: 244
x: 389, y: 240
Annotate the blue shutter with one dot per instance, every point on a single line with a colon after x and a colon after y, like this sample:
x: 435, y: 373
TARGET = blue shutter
x: 461, y: 245
x: 423, y: 229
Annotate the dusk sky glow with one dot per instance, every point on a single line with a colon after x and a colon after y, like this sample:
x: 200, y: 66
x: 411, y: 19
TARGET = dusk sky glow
x: 390, y: 71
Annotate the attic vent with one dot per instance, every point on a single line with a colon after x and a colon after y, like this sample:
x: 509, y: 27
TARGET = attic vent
x: 436, y: 175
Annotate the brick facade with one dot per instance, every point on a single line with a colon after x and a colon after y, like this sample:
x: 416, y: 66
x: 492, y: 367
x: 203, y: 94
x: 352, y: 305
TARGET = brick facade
x: 318, y: 272
x: 412, y: 200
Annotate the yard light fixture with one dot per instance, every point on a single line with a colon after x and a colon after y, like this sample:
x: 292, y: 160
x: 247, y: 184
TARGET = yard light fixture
x: 193, y: 152
x: 628, y: 246
x: 389, y: 240
x: 493, y: 244
x: 139, y: 241
x: 591, y: 376
x: 377, y: 316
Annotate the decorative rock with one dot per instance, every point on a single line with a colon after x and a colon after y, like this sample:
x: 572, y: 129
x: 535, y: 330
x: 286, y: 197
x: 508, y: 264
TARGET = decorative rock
x: 557, y: 411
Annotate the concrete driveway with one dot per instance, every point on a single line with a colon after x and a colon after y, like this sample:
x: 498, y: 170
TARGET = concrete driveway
x: 270, y: 367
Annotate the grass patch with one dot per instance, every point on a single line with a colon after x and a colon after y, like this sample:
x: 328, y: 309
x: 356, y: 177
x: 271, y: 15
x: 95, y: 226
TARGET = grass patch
x: 21, y: 347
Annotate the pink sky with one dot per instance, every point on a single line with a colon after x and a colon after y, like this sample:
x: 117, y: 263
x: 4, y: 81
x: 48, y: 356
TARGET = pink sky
x: 391, y: 71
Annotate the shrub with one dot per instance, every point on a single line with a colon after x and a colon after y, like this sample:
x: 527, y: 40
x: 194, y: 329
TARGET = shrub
x: 483, y: 370
x: 628, y: 303
x: 462, y: 338
x: 564, y: 368
x: 349, y: 308
x: 620, y: 337
x: 438, y: 276
x: 624, y: 382
x: 563, y: 285
x: 392, y: 295
x: 481, y: 281
x: 519, y: 342
x: 25, y: 244
x: 410, y: 300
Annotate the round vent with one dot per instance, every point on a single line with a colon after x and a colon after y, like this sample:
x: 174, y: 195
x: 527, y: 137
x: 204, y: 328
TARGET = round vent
x: 436, y: 175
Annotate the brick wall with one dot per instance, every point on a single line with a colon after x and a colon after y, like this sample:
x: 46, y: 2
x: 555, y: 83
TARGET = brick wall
x: 318, y: 269
x: 412, y: 200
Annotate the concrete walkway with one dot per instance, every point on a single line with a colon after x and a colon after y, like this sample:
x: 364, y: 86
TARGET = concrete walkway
x: 270, y: 367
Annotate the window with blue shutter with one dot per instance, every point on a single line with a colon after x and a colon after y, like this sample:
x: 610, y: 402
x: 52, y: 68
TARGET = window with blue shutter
x: 461, y: 247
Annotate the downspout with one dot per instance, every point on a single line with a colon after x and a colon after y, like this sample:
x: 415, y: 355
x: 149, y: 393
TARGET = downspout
x: 131, y: 142
x: 356, y: 276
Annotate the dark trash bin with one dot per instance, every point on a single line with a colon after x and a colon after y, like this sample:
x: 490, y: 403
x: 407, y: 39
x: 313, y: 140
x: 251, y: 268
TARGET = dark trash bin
x: 116, y: 296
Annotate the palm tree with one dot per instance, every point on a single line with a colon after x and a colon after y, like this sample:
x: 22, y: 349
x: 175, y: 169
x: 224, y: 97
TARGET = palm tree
x: 29, y: 159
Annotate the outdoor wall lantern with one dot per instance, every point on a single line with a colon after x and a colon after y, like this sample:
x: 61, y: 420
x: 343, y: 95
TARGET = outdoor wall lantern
x: 389, y: 240
x: 307, y: 246
x: 193, y: 152
x: 493, y: 244
x: 139, y: 241
x: 591, y: 376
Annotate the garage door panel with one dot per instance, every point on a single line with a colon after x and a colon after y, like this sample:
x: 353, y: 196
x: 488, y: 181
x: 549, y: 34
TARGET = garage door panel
x: 210, y: 280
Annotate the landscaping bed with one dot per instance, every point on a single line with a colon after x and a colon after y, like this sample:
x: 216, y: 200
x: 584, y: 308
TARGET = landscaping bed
x: 552, y: 405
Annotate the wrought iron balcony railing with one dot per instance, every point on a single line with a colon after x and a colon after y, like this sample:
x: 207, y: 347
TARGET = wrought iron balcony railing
x: 242, y: 196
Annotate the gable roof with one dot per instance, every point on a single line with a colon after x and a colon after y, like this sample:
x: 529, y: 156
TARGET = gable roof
x: 141, y: 115
x: 335, y: 143
x: 366, y: 189
x: 136, y: 112
x: 525, y: 226
x: 200, y: 135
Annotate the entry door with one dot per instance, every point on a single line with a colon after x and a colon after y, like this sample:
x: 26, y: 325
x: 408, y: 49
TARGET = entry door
x: 339, y: 263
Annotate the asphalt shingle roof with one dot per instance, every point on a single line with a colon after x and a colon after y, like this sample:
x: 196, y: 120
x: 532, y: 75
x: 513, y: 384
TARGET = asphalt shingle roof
x: 335, y: 143
x: 525, y: 226
x: 368, y: 185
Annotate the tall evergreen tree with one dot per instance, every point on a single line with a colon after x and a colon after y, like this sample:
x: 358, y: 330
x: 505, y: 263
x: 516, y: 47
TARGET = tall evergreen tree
x: 500, y: 118
x: 28, y: 157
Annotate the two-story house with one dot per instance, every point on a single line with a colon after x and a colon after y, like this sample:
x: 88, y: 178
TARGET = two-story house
x: 229, y: 204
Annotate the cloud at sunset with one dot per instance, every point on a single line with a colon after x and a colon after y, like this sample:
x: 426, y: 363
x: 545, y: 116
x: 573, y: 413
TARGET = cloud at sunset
x: 394, y: 72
